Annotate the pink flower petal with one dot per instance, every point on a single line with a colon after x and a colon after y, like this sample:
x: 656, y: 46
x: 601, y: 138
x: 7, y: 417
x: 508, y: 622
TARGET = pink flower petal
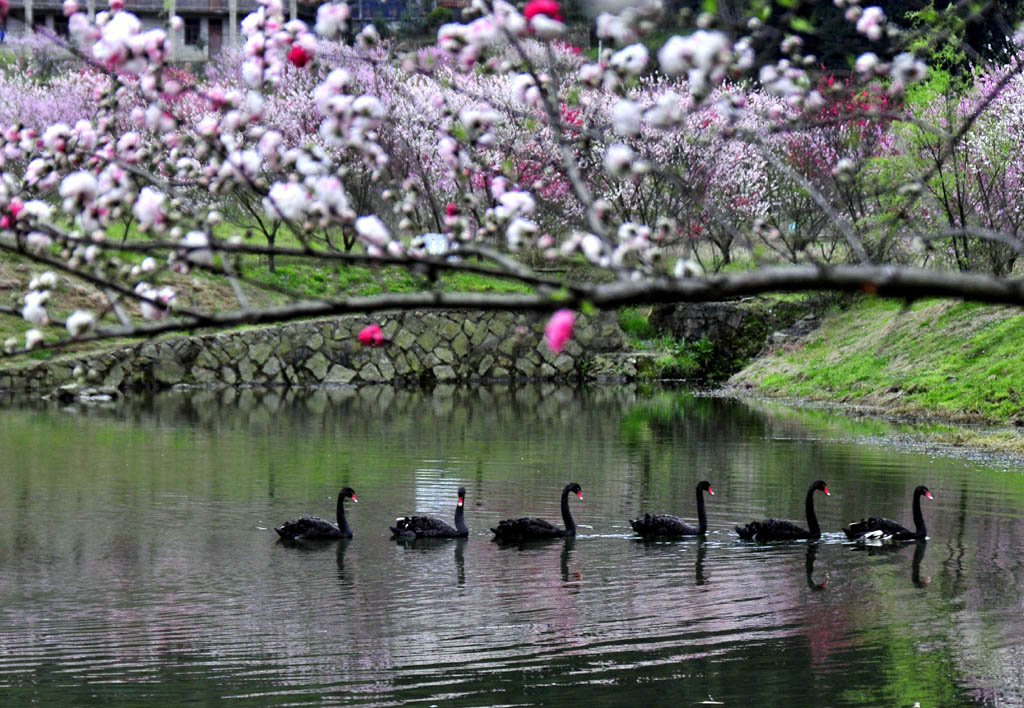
x: 371, y: 336
x: 559, y: 329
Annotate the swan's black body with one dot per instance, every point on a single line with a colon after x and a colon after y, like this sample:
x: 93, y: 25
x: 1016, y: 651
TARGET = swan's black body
x: 776, y: 530
x: 429, y: 527
x: 530, y: 528
x: 313, y: 527
x: 667, y: 525
x: 887, y: 529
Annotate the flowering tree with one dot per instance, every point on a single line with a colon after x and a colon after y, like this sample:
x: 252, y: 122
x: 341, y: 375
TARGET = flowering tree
x: 650, y: 171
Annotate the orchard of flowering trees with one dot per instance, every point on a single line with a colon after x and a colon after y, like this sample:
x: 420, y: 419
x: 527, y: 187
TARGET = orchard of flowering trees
x: 726, y: 161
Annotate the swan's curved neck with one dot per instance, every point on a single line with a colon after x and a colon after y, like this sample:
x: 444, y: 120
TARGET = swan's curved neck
x: 460, y: 519
x: 812, y: 518
x: 919, y: 527
x: 570, y: 525
x: 342, y: 522
x: 702, y: 516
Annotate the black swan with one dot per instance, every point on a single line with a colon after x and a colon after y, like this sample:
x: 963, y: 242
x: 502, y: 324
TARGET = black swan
x: 776, y: 530
x: 653, y: 525
x: 313, y: 527
x: 525, y: 529
x: 887, y: 529
x: 429, y: 527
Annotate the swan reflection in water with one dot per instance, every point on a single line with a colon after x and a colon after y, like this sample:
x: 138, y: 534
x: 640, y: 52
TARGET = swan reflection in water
x: 343, y: 545
x: 568, y: 548
x: 702, y: 551
x: 915, y: 566
x: 812, y: 552
x: 426, y: 544
x: 885, y: 548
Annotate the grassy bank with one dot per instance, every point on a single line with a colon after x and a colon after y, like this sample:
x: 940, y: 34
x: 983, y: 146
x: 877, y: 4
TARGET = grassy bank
x: 941, y: 359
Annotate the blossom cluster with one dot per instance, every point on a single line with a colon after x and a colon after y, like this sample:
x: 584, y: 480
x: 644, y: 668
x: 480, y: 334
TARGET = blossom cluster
x: 650, y: 164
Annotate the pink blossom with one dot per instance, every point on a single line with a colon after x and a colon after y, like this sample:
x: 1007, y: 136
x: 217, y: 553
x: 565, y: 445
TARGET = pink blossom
x: 298, y: 55
x: 371, y: 336
x: 559, y: 329
x: 551, y: 8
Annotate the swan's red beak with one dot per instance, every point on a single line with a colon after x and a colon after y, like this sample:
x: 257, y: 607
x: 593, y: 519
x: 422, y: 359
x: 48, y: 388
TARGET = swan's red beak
x: 827, y: 493
x: 711, y: 491
x: 579, y: 494
x: 354, y: 498
x: 461, y: 500
x: 929, y: 495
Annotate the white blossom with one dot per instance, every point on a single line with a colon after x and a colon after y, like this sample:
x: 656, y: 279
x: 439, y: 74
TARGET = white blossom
x: 32, y: 338
x: 372, y: 230
x: 870, y: 22
x: 79, y: 322
x: 618, y: 159
x: 626, y: 117
x: 631, y: 60
x: 148, y: 208
x: 34, y: 310
x: 288, y: 200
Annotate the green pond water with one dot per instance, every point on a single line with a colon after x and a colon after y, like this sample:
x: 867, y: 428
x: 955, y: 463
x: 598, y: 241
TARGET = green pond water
x: 139, y: 565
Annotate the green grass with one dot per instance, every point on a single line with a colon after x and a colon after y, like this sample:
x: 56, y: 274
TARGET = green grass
x: 933, y: 358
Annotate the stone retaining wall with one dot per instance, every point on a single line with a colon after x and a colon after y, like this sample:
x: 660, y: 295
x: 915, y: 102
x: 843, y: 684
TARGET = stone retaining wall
x: 738, y: 330
x: 424, y: 346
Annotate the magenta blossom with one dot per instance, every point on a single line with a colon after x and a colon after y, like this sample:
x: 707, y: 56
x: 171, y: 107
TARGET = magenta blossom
x: 298, y: 55
x: 559, y: 329
x: 371, y: 336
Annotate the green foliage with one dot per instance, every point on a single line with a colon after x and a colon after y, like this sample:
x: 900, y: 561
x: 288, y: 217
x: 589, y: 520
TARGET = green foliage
x: 936, y: 357
x: 635, y: 322
x: 438, y: 16
x: 688, y: 360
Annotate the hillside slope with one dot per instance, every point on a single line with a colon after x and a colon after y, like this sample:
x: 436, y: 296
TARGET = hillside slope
x: 951, y: 360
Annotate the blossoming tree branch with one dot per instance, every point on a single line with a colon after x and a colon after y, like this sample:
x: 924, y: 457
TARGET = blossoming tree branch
x: 728, y: 162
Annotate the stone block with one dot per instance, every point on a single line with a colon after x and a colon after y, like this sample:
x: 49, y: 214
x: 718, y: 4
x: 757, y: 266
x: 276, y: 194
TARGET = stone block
x: 245, y: 370
x: 485, y: 365
x: 386, y: 369
x: 389, y: 328
x: 203, y: 375
x: 401, y: 365
x: 413, y: 324
x: 168, y: 371
x: 564, y: 363
x: 404, y: 339
x: 207, y: 359
x: 499, y: 327
x: 428, y: 339
x: 371, y: 373
x: 317, y: 366
x: 460, y: 345
x: 526, y: 367
x: 272, y: 367
x: 339, y: 374
x: 449, y: 328
x: 114, y: 376
x: 444, y: 355
x: 480, y: 335
x: 228, y: 375
x: 259, y: 352
x: 443, y: 372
